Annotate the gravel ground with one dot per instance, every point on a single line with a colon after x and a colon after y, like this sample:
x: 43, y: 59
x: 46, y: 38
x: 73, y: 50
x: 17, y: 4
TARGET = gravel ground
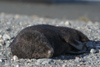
x: 10, y: 25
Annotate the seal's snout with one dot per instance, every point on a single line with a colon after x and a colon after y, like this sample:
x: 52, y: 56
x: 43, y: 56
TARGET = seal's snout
x: 50, y: 53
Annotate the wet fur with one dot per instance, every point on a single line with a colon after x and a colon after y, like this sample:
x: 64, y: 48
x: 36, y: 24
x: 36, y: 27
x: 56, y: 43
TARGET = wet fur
x: 45, y: 41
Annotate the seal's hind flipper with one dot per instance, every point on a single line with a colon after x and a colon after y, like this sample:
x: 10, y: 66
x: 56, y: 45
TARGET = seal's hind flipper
x: 77, y: 52
x: 74, y: 43
x: 78, y: 46
x: 82, y: 37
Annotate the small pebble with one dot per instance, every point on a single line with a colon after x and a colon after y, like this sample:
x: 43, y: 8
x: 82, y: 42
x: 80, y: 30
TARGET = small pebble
x: 97, y: 47
x: 9, y: 29
x: 6, y: 37
x: 67, y: 23
x: 1, y: 41
x: 64, y: 65
x: 44, y: 61
x: 77, y: 59
x: 93, y: 51
x: 0, y: 36
x: 17, y: 65
x: 15, y: 58
x: 0, y: 60
x: 7, y: 43
x: 16, y: 16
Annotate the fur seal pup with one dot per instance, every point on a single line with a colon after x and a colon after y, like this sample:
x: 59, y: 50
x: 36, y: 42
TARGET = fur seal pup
x: 46, y: 41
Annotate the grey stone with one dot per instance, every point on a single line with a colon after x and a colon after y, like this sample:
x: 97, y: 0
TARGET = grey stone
x: 7, y: 43
x: 77, y: 59
x: 67, y: 23
x: 8, y: 29
x: 1, y: 60
x: 6, y: 37
x: 17, y: 65
x: 97, y: 47
x: 1, y: 42
x: 0, y: 36
x: 93, y: 51
x: 43, y: 61
x: 64, y: 65
x: 15, y: 58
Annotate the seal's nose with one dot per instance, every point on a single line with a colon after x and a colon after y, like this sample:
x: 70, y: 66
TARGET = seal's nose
x: 50, y: 53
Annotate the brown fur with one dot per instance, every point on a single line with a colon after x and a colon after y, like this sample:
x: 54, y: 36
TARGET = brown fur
x: 45, y: 41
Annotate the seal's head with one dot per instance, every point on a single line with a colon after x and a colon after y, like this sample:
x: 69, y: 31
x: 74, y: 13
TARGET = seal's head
x: 31, y: 44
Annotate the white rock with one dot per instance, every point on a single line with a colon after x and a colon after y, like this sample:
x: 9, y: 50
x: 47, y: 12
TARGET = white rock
x: 77, y: 59
x: 44, y: 61
x: 93, y: 51
x: 0, y: 44
x: 15, y: 58
x: 64, y: 65
x: 5, y: 37
x: 7, y: 43
x: 0, y: 36
x: 67, y: 23
x: 0, y: 60
x: 17, y: 65
x: 1, y: 41
x: 16, y: 16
